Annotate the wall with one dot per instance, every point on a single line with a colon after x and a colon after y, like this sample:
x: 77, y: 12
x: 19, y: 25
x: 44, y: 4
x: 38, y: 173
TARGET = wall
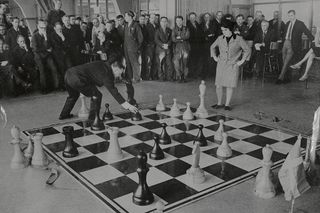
x: 125, y: 5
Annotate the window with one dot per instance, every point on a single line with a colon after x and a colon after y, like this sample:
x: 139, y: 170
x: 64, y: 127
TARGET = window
x: 149, y: 6
x: 106, y: 8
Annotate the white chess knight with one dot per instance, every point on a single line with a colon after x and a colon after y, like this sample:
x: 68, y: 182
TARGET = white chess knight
x: 39, y: 157
x: 224, y: 150
x: 264, y: 186
x: 18, y: 160
x: 114, y: 152
x: 160, y: 106
x: 195, y: 174
x: 83, y: 111
x: 218, y: 136
x: 188, y: 115
x: 175, y: 111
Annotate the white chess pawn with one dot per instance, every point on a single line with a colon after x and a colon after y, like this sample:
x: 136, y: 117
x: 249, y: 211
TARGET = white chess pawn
x: 218, y: 136
x: 18, y: 160
x: 188, y: 115
x: 39, y: 158
x: 174, y: 112
x: 224, y: 150
x: 114, y: 152
x: 195, y: 174
x: 83, y: 111
x: 160, y: 106
x: 264, y: 187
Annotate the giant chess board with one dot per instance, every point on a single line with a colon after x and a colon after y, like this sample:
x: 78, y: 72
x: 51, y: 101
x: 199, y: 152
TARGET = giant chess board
x: 114, y: 182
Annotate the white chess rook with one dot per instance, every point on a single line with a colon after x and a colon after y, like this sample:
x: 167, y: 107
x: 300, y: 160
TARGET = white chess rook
x: 195, y: 174
x: 264, y: 187
x: 188, y: 115
x: 114, y: 151
x: 39, y: 158
x: 160, y: 106
x: 18, y: 160
x: 83, y: 112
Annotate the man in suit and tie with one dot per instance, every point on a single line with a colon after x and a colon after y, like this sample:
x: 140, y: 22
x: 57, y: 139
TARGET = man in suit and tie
x: 13, y: 34
x: 262, y: 42
x: 151, y: 28
x: 87, y: 77
x: 292, y: 43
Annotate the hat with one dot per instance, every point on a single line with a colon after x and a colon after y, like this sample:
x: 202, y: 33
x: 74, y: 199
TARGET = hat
x: 227, y: 24
x: 130, y: 13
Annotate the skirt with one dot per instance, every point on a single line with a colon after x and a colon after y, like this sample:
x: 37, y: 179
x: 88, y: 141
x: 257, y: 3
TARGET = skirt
x: 316, y: 50
x: 227, y: 75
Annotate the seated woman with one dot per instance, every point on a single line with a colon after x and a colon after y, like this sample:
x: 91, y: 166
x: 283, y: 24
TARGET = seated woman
x: 311, y: 54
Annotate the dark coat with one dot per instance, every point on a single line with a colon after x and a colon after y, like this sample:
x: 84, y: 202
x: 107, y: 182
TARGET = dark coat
x: 97, y: 73
x: 296, y: 39
x: 196, y: 34
x: 163, y: 37
x: 251, y: 32
x: 12, y: 35
x: 55, y: 16
x: 21, y: 57
x: 40, y: 46
x: 217, y: 27
x: 151, y: 30
x: 278, y: 30
x: 133, y: 37
x: 269, y: 37
x: 209, y: 32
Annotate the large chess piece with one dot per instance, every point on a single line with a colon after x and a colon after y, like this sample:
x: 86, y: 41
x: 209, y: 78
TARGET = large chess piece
x: 202, y: 111
x: 224, y: 149
x: 114, y: 152
x: 218, y: 136
x: 156, y: 152
x: 195, y: 173
x: 97, y: 124
x: 174, y: 111
x: 18, y: 160
x: 160, y: 106
x: 142, y: 196
x: 70, y: 149
x: 83, y: 112
x: 136, y: 116
x: 164, y: 136
x: 39, y: 158
x: 200, y: 137
x: 188, y: 115
x: 28, y: 152
x: 107, y: 115
x: 264, y: 187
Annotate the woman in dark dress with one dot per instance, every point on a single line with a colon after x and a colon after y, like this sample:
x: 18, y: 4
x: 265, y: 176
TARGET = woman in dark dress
x: 311, y: 54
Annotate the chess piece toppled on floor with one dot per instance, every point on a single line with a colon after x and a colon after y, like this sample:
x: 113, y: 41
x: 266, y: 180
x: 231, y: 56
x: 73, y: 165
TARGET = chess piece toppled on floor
x: 188, y: 115
x: 218, y: 136
x: 107, y: 115
x: 39, y: 158
x: 70, y: 149
x: 174, y: 111
x: 200, y: 137
x: 164, y: 136
x: 97, y: 124
x: 18, y: 159
x: 292, y: 175
x: 195, y: 174
x: 54, y: 174
x: 264, y: 186
x: 142, y: 195
x: 224, y: 149
x: 156, y: 152
x: 114, y: 152
x: 83, y: 111
x: 160, y: 106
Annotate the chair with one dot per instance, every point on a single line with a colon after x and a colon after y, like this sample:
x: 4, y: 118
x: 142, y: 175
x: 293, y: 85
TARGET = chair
x: 271, y: 61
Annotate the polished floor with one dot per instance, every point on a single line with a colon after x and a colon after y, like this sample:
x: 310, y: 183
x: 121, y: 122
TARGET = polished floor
x: 25, y: 191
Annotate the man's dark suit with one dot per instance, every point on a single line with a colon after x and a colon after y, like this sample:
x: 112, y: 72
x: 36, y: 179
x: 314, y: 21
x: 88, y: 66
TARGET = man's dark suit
x: 265, y: 38
x: 75, y: 40
x: 210, y: 35
x: 85, y: 79
x: 11, y: 38
x: 43, y: 57
x: 150, y: 51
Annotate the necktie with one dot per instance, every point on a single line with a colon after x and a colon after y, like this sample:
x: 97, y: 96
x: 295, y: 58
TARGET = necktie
x: 290, y: 31
x: 263, y: 36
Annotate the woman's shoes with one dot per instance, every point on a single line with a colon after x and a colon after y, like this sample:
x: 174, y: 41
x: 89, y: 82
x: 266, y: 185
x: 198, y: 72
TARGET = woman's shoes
x: 295, y: 67
x: 217, y: 106
x: 303, y: 78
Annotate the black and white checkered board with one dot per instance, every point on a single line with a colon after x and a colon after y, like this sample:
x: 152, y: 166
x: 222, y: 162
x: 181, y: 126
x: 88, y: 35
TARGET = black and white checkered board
x: 114, y: 182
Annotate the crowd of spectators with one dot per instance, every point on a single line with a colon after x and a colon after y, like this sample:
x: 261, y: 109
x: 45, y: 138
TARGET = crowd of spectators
x: 37, y: 61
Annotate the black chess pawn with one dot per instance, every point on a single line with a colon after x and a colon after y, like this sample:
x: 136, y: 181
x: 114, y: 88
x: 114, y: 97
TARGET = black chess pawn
x: 70, y: 149
x: 107, y: 115
x: 200, y: 137
x: 136, y: 116
x: 156, y: 152
x: 164, y: 136
x: 97, y: 124
x: 142, y: 195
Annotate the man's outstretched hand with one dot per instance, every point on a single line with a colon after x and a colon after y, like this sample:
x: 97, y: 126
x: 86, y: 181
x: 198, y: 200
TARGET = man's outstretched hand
x: 130, y: 107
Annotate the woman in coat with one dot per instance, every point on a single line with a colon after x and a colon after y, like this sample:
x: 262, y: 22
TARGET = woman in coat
x: 234, y: 51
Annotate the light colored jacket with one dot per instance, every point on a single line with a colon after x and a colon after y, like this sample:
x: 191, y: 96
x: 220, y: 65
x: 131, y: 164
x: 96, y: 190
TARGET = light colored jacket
x: 182, y: 43
x: 232, y: 52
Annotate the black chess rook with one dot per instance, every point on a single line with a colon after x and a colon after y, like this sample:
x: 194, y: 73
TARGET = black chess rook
x: 142, y: 196
x: 70, y: 149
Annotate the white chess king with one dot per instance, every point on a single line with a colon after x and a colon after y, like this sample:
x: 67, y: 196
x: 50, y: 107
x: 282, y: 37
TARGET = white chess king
x: 18, y: 159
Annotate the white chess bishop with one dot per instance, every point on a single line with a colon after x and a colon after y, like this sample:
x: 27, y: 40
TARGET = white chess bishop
x: 114, y: 152
x: 175, y: 111
x: 18, y: 159
x: 264, y: 186
x: 188, y: 115
x: 224, y: 150
x: 160, y: 106
x: 195, y: 174
x: 202, y: 111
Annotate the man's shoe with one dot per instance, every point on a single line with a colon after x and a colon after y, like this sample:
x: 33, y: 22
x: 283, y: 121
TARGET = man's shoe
x: 217, y: 106
x: 63, y: 117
